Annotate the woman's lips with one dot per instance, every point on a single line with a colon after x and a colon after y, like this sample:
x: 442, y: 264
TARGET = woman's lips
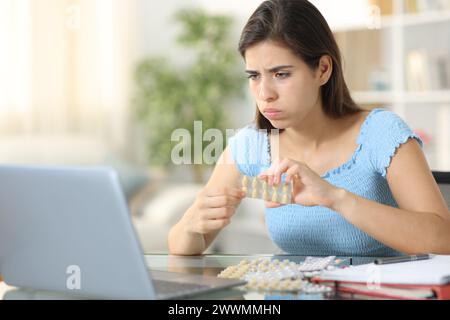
x: 272, y: 113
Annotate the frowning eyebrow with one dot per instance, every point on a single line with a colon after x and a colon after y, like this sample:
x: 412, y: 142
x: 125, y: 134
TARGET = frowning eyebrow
x: 271, y: 70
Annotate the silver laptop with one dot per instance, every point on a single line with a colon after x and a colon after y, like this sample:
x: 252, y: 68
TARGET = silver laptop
x: 68, y: 229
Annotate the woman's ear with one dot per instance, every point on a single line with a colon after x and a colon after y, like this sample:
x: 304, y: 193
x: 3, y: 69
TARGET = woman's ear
x: 325, y: 69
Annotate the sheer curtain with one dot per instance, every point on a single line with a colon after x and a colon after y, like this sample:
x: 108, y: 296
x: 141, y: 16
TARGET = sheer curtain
x: 15, y: 65
x: 65, y: 78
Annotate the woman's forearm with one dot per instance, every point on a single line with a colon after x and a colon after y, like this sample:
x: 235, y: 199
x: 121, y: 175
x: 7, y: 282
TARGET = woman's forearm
x: 183, y: 242
x: 406, y: 231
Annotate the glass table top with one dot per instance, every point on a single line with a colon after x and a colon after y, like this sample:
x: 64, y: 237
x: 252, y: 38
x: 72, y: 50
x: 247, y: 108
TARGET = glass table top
x: 212, y: 265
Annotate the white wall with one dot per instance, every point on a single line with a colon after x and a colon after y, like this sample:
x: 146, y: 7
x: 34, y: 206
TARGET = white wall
x: 157, y: 29
x: 339, y: 14
x: 343, y: 14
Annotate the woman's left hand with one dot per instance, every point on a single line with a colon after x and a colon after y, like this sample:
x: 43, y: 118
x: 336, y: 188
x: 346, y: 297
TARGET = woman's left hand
x: 309, y: 189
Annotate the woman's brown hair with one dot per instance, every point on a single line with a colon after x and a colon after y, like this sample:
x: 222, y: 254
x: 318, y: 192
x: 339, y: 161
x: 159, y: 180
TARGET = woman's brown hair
x: 300, y: 26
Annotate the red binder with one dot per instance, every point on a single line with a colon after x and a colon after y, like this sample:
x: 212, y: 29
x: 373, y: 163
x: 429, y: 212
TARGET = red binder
x: 392, y: 291
x: 424, y: 279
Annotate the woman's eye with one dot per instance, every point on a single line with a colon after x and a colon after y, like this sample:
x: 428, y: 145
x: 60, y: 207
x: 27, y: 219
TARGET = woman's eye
x: 279, y: 75
x: 282, y: 75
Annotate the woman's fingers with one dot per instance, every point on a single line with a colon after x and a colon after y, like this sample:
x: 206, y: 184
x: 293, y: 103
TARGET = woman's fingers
x: 219, y: 213
x: 273, y: 174
x: 280, y: 169
x: 270, y: 204
x: 267, y: 175
x: 292, y: 173
x: 270, y: 174
x: 227, y: 191
x: 224, y: 197
x: 221, y: 201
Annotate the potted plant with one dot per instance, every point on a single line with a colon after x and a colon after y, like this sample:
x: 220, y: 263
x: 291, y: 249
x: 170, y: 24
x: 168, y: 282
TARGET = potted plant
x: 168, y: 97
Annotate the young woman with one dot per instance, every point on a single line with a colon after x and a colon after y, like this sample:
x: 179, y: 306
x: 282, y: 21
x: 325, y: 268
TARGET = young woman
x: 362, y: 185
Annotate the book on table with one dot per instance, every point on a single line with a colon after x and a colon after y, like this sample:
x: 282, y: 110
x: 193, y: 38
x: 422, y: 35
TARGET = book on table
x: 425, y: 279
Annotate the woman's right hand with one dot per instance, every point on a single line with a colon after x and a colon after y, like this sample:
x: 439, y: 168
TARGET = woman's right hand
x: 213, y: 209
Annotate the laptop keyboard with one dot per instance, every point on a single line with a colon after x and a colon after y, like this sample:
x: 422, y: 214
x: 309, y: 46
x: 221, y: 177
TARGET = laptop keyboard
x: 163, y: 287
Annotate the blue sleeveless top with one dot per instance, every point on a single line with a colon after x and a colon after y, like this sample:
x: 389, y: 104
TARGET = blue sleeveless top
x: 317, y: 230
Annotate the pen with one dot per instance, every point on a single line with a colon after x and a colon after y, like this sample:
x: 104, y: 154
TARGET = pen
x: 402, y: 259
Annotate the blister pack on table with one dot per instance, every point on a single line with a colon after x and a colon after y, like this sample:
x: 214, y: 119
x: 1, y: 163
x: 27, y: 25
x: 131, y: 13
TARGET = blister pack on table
x: 273, y: 275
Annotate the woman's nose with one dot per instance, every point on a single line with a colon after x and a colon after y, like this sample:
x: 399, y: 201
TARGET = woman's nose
x: 266, y: 91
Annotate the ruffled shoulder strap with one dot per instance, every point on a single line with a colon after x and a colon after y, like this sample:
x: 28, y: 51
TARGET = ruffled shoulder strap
x: 382, y: 133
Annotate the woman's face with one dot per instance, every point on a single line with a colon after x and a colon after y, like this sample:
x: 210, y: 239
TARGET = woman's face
x: 284, y: 87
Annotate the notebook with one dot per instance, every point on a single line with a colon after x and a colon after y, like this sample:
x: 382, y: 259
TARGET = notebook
x: 434, y: 271
x: 395, y: 291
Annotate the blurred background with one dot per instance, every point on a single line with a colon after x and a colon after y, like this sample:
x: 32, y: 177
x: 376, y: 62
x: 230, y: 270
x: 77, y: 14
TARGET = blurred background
x: 90, y: 82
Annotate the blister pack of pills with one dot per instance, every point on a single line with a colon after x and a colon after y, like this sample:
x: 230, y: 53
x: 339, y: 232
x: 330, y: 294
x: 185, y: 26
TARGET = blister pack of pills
x: 260, y: 189
x: 265, y: 274
x: 312, y: 264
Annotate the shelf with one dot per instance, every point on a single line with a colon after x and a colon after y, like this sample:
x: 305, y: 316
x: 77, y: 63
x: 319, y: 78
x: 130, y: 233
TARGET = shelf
x: 417, y: 19
x: 373, y: 97
x: 403, y: 20
x: 390, y: 97
x: 387, y: 49
x: 442, y: 96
